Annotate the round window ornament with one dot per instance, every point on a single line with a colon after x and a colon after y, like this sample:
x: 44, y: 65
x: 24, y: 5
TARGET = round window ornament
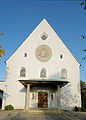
x: 43, y: 53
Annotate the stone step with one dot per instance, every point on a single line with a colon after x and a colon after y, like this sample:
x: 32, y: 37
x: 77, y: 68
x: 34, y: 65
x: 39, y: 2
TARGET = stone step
x: 44, y: 111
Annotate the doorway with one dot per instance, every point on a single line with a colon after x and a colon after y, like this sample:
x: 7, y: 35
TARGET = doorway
x: 42, y: 99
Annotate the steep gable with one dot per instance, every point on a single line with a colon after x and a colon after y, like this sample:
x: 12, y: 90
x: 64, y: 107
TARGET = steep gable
x: 34, y: 39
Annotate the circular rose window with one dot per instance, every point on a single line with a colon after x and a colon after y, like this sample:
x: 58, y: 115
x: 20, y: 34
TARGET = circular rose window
x: 43, y: 53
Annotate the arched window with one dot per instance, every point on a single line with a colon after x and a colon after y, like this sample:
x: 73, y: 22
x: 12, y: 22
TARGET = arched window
x: 43, y: 73
x: 63, y: 73
x: 22, y: 72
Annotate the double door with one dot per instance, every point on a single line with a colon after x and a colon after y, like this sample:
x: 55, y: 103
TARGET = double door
x: 42, y: 99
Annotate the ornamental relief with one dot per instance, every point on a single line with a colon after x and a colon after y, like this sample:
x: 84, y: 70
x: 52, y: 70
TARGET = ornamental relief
x: 43, y: 53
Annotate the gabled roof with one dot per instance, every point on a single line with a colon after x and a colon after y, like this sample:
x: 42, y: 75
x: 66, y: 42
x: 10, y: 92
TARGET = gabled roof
x: 43, y: 22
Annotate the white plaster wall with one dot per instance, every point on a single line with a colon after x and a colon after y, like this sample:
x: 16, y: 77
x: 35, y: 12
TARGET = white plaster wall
x: 15, y: 91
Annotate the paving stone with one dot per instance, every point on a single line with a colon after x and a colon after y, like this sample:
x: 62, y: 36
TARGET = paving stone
x: 20, y: 115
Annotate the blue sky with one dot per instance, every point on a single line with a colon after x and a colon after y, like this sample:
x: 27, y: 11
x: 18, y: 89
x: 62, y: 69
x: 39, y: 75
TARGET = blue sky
x: 18, y: 18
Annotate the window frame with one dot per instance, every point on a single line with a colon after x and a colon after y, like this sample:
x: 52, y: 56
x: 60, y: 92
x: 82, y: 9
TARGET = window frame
x: 22, y: 73
x: 61, y: 56
x: 44, y: 34
x: 25, y: 54
x: 63, y: 73
x: 52, y: 96
x: 43, y: 73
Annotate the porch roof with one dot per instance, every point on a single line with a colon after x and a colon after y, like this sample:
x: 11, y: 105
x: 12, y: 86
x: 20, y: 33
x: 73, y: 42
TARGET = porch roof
x: 43, y: 82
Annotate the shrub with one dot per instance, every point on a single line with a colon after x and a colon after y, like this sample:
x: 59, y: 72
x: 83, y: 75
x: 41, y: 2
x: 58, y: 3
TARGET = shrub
x: 83, y: 109
x: 9, y: 107
x: 77, y: 109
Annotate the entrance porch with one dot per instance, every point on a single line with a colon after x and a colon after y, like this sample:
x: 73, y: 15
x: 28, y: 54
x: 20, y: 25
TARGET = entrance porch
x: 43, y: 94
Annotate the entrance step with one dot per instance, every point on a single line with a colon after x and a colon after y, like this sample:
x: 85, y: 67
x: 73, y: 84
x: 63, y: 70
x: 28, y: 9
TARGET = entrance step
x: 44, y: 111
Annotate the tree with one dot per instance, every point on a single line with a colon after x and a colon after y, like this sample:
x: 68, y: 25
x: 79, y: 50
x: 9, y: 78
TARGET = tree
x: 2, y: 51
x: 83, y: 4
x: 84, y: 57
x: 83, y: 93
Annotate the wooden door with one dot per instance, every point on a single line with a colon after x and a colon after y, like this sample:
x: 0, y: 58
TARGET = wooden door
x: 43, y: 99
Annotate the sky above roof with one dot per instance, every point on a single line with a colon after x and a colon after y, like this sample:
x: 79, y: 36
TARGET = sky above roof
x: 18, y: 18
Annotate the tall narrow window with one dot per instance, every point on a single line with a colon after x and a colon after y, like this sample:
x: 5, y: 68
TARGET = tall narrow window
x: 51, y: 96
x: 22, y: 72
x: 25, y: 54
x: 63, y: 73
x: 43, y: 73
x: 61, y: 56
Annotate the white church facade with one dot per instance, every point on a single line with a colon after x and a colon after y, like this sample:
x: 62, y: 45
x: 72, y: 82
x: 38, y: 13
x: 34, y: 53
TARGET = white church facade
x: 42, y: 73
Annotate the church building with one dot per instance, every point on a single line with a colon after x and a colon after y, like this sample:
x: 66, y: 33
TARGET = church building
x: 42, y: 73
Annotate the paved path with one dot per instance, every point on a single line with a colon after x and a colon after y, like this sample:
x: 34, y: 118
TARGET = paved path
x: 20, y: 115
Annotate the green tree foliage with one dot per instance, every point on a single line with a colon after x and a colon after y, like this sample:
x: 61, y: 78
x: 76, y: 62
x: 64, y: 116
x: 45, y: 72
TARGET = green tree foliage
x: 1, y: 33
x: 83, y: 3
x: 2, y: 51
x: 83, y: 93
x: 9, y: 107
